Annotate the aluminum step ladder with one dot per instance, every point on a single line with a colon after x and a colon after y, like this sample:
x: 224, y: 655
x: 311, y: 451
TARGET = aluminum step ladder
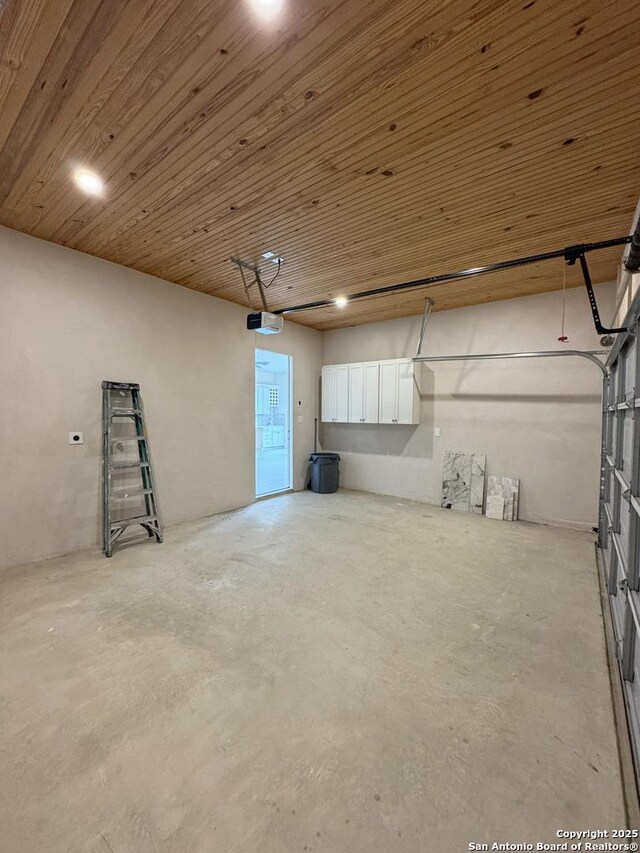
x: 122, y: 407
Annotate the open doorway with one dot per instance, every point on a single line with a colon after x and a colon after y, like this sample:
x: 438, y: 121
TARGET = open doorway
x: 273, y: 422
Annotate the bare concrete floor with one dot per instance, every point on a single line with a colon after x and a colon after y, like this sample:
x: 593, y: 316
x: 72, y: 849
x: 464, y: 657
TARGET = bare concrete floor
x: 344, y: 673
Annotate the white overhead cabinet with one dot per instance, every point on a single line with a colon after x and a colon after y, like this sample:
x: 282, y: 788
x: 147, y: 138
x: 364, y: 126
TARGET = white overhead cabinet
x: 335, y: 393
x: 363, y: 392
x: 399, y: 394
x: 371, y: 392
x: 408, y: 411
x: 388, y: 392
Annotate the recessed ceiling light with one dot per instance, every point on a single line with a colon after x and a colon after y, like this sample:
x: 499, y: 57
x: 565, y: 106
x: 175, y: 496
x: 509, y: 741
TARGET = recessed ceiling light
x: 268, y: 255
x: 88, y: 181
x: 266, y: 9
x: 341, y: 301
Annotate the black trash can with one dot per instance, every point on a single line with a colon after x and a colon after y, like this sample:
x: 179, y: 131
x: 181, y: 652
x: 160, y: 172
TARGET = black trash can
x: 324, y: 472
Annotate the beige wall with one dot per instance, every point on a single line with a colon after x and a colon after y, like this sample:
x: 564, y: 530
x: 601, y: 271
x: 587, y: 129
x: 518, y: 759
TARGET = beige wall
x: 68, y: 321
x: 538, y: 420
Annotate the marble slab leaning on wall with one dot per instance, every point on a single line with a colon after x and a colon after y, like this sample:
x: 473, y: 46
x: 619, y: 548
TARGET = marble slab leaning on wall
x: 507, y: 488
x: 495, y: 506
x: 463, y: 477
x: 456, y: 480
x: 478, y: 468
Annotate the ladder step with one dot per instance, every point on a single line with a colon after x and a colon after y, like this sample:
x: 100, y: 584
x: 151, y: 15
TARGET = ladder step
x: 120, y: 386
x: 120, y: 466
x: 117, y: 413
x: 129, y: 438
x: 136, y: 519
x: 133, y: 493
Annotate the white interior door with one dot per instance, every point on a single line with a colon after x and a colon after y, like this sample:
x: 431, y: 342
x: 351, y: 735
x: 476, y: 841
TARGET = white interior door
x: 356, y: 393
x: 388, y: 392
x: 328, y: 394
x: 406, y: 393
x: 371, y: 392
x: 342, y: 393
x: 273, y: 422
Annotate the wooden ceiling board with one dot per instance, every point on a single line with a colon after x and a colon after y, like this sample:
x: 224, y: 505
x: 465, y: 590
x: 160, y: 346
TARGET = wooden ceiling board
x: 169, y: 50
x: 254, y: 186
x: 164, y: 136
x: 27, y: 31
x: 231, y: 153
x: 366, y: 142
x: 405, y: 183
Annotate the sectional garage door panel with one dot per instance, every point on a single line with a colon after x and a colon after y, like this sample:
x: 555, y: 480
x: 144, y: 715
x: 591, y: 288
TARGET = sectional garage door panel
x: 619, y: 529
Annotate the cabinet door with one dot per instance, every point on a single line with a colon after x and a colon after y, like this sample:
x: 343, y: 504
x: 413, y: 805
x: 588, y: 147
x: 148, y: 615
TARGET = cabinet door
x: 371, y: 392
x: 408, y: 399
x: 342, y: 393
x: 388, y: 392
x: 262, y: 400
x: 356, y: 393
x: 328, y: 393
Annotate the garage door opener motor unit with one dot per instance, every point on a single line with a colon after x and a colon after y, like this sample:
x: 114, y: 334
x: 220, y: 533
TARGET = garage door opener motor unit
x: 265, y: 323
x: 260, y: 321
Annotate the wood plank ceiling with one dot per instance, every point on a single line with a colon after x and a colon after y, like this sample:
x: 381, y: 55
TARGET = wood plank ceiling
x: 368, y: 142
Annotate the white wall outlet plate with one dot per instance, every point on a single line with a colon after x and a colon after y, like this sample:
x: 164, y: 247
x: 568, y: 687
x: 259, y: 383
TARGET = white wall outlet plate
x: 436, y: 432
x: 76, y: 437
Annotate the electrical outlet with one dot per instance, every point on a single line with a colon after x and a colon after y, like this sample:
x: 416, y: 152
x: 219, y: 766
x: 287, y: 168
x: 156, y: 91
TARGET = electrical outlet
x: 76, y: 437
x: 436, y: 432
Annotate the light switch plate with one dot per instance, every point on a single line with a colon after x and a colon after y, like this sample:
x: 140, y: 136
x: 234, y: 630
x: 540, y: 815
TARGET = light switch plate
x: 299, y: 419
x: 76, y: 437
x: 436, y: 432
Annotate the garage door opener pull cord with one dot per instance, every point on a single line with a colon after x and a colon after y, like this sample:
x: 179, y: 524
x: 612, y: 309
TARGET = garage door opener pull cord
x: 124, y: 400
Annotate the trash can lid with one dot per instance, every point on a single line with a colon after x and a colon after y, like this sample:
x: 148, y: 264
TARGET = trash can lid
x: 327, y: 457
